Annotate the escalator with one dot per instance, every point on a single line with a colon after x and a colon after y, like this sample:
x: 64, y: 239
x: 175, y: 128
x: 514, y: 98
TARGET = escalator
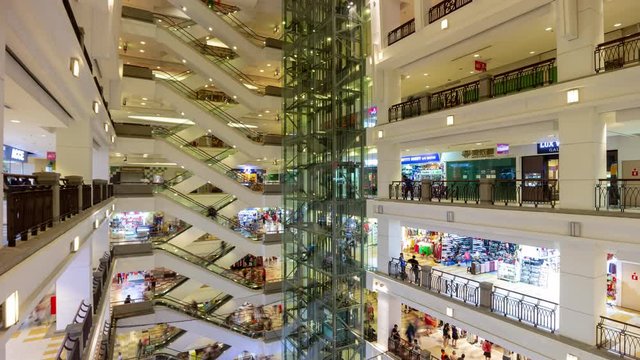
x: 185, y: 182
x: 182, y: 314
x: 231, y: 30
x: 179, y: 39
x: 207, y: 114
x: 211, y: 168
x: 200, y: 269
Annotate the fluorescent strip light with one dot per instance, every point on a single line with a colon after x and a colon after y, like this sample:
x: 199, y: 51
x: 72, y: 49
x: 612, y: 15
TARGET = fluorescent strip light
x: 74, y: 66
x: 162, y: 119
x: 96, y: 107
x: 244, y: 126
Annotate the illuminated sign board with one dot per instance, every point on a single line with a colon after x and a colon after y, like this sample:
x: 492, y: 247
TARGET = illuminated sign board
x: 548, y: 147
x: 421, y: 159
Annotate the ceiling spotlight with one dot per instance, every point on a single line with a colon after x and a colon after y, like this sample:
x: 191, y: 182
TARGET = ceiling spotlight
x: 182, y: 113
x: 476, y: 55
x: 96, y: 107
x: 235, y: 48
x: 141, y: 50
x: 143, y: 103
x: 617, y: 24
x: 261, y: 70
x: 184, y: 61
x: 548, y: 29
x: 145, y: 99
x: 74, y: 66
x: 106, y: 127
x: 184, y: 8
x: 142, y: 43
x: 210, y: 80
x: 210, y: 29
x: 15, y: 121
x: 268, y: 65
x: 267, y: 111
x: 532, y: 52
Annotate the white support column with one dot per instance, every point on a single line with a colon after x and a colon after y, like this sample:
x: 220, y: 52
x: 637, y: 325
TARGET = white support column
x: 419, y: 14
x: 386, y: 92
x: 583, y: 284
x: 583, y: 151
x: 389, y: 314
x: 389, y: 241
x: 100, y: 163
x: 389, y: 167
x: 99, y: 243
x: 579, y: 28
x: 74, y: 148
x: 3, y: 344
x: 73, y: 286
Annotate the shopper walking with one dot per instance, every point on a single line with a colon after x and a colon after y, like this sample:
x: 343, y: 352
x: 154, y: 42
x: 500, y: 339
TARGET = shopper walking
x: 446, y: 335
x: 407, y: 187
x: 411, y: 332
x: 486, y: 349
x: 139, y: 350
x: 462, y: 357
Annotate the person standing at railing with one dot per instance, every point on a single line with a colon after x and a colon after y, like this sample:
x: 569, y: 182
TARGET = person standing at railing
x: 415, y: 268
x: 410, y: 332
x: 403, y: 267
x: 614, y: 197
x: 407, y: 187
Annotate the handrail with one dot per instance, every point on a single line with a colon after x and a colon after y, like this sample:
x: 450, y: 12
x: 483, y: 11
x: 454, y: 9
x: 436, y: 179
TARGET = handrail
x: 617, y: 53
x: 189, y: 39
x: 401, y: 32
x: 445, y: 8
x: 529, y: 76
x: 620, y: 338
x: 207, y: 105
x: 249, y: 33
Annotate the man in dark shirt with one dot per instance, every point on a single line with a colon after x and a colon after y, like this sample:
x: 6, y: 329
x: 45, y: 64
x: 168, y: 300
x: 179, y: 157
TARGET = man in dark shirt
x: 415, y: 267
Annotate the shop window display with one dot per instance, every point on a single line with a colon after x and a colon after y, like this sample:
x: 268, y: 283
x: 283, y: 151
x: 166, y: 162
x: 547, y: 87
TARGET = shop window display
x: 486, y: 260
x: 141, y: 225
x: 261, y: 220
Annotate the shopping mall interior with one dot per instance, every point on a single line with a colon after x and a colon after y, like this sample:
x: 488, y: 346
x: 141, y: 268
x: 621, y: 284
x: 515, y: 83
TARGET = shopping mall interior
x: 320, y: 179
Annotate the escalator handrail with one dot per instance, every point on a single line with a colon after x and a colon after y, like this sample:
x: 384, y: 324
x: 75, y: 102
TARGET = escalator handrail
x: 222, y: 203
x: 221, y: 321
x: 211, y: 106
x: 229, y: 274
x: 179, y: 27
x: 249, y: 32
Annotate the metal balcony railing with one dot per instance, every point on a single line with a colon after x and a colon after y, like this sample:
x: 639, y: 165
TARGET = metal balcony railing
x: 445, y: 8
x: 617, y: 53
x: 401, y: 32
x: 617, y: 194
x: 618, y: 337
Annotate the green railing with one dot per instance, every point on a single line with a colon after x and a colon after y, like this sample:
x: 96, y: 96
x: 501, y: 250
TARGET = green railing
x: 181, y: 30
x: 204, y: 210
x: 527, y: 77
x: 206, y: 105
x: 204, y: 263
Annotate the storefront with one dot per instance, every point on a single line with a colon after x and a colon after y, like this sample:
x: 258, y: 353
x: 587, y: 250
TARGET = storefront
x: 543, y: 166
x: 261, y: 220
x: 623, y: 283
x: 137, y: 225
x: 465, y: 255
x: 15, y: 161
x: 423, y: 167
x: 495, y: 168
x: 250, y: 175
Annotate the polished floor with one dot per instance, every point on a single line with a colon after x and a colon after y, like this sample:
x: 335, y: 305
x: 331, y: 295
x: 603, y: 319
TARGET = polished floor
x: 550, y: 293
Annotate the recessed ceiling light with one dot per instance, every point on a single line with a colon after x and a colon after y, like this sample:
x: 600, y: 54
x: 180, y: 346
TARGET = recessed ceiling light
x: 617, y: 24
x: 532, y: 52
x: 210, y: 80
x: 259, y: 115
x: 476, y: 55
x: 106, y: 127
x: 145, y: 99
x: 472, y: 72
x: 267, y: 111
x: 235, y: 48
x: 157, y: 67
x: 548, y: 29
x: 141, y: 50
x: 478, y: 144
x: 145, y: 155
x: 407, y: 150
x: 184, y: 8
x: 235, y: 97
x: 268, y: 65
x: 184, y: 61
x: 407, y: 76
x: 427, y: 86
x: 210, y: 29
x: 96, y: 107
x: 261, y: 70
x: 162, y: 119
x: 143, y: 43
x: 74, y: 66
x: 43, y: 135
x: 15, y: 121
x: 425, y: 74
x: 182, y: 113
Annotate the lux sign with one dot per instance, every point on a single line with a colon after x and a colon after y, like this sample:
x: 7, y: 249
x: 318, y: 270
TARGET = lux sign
x: 548, y: 147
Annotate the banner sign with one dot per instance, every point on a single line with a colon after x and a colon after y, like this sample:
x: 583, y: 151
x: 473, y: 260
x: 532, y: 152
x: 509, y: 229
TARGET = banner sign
x: 14, y: 154
x: 548, y: 147
x: 421, y: 159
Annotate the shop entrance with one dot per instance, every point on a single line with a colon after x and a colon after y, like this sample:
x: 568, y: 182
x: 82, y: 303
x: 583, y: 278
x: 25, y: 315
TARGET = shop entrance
x: 540, y: 173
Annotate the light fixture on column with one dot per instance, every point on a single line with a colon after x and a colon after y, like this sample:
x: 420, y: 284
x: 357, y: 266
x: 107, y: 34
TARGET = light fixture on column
x: 75, y: 244
x: 106, y: 127
x: 96, y: 107
x: 449, y: 120
x: 444, y: 24
x: 450, y: 312
x: 573, y: 96
x: 380, y: 134
x: 74, y: 66
x: 96, y: 224
x: 11, y: 310
x: 113, y: 139
x: 571, y: 357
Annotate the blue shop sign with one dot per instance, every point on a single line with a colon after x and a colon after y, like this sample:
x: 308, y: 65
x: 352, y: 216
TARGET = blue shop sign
x: 548, y: 147
x: 14, y: 154
x: 421, y: 159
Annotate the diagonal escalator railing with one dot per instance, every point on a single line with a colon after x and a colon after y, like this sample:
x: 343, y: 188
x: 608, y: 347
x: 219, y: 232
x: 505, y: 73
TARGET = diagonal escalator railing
x: 208, y: 106
x: 205, y: 264
x: 223, y: 321
x: 182, y: 31
x: 228, y: 15
x: 200, y: 154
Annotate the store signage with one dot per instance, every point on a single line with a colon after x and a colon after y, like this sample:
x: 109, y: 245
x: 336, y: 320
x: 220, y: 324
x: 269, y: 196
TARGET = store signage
x: 478, y: 153
x: 51, y: 155
x: 480, y: 66
x: 14, y: 154
x: 634, y: 172
x: 634, y: 276
x: 502, y: 149
x: 421, y: 159
x: 548, y: 147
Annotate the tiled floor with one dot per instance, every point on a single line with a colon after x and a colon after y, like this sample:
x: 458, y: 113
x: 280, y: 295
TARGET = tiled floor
x: 623, y: 314
x: 550, y: 293
x: 127, y: 343
x: 434, y: 344
x: 35, y: 342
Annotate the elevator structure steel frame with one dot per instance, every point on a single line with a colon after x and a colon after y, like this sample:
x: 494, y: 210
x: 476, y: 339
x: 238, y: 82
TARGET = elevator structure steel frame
x: 323, y: 151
